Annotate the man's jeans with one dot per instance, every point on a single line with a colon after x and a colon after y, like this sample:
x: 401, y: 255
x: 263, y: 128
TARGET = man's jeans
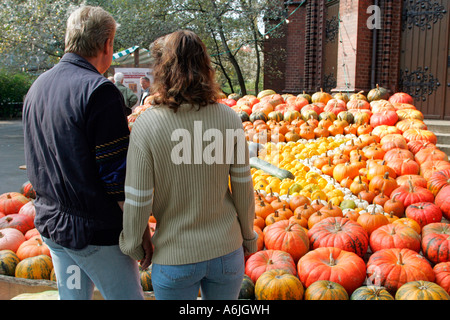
x: 115, y: 274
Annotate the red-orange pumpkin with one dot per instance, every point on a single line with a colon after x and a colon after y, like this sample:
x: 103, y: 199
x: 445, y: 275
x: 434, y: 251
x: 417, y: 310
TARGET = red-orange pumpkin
x: 436, y: 242
x: 391, y: 268
x: 424, y: 213
x: 442, y: 272
x: 401, y: 97
x: 288, y: 237
x: 443, y: 201
x: 32, y: 247
x: 341, y: 233
x: 437, y: 180
x: 11, y: 202
x: 412, y: 194
x: 21, y: 222
x: 394, y: 236
x: 332, y: 264
x: 11, y: 239
x: 264, y: 260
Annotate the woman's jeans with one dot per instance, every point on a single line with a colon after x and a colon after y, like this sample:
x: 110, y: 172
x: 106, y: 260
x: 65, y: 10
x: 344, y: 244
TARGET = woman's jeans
x: 115, y: 274
x: 218, y: 279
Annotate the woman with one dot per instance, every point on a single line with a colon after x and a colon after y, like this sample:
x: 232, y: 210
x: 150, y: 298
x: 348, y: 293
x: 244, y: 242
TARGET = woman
x: 184, y: 154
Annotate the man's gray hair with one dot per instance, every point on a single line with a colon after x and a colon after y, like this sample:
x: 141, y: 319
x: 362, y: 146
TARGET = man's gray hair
x: 88, y: 28
x: 118, y: 77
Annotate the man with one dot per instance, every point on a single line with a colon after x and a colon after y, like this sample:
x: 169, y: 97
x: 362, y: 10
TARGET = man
x: 128, y: 95
x: 76, y: 140
x: 145, y: 85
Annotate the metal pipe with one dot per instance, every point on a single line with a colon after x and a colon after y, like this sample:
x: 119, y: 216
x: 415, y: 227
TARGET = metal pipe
x: 374, y: 53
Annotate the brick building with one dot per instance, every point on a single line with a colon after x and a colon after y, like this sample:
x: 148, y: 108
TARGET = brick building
x: 353, y: 45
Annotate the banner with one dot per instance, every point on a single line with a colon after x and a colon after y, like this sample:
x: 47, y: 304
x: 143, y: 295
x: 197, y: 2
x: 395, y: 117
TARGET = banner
x: 132, y: 78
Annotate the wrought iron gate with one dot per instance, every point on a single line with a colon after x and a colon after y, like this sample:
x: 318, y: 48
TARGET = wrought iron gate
x: 425, y: 56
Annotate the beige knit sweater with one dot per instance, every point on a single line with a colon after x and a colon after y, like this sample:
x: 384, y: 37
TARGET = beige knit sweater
x: 178, y: 167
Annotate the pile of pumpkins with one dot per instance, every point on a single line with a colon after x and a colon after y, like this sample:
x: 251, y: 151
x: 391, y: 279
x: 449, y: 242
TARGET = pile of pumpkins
x: 359, y: 211
x: 23, y: 254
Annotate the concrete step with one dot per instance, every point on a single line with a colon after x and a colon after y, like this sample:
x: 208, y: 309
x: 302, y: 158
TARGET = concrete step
x: 441, y: 129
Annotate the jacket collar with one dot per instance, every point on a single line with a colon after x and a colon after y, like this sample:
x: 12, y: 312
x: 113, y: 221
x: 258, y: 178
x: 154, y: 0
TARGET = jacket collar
x: 78, y: 60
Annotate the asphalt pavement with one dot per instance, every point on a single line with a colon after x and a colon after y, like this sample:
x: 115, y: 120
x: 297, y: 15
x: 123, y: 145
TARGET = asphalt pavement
x: 11, y: 156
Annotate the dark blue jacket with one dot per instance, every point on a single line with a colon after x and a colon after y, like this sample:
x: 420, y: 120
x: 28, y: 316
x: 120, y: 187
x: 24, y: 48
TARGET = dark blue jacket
x: 76, y: 139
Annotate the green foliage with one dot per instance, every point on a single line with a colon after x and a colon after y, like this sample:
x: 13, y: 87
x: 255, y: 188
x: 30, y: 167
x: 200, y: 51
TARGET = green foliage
x: 13, y: 88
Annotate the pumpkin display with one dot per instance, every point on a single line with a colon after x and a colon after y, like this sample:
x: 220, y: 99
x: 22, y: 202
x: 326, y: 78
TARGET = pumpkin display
x: 424, y: 213
x: 37, y: 267
x: 393, y: 267
x: 265, y: 260
x: 339, y: 232
x: 442, y: 272
x: 278, y: 284
x: 395, y: 236
x: 421, y: 290
x: 11, y: 202
x: 436, y: 242
x: 11, y: 239
x: 371, y: 293
x: 325, y: 290
x: 8, y: 262
x: 288, y: 237
x: 332, y: 264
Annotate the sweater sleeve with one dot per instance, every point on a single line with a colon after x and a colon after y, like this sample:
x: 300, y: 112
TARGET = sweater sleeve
x: 108, y: 132
x: 242, y: 191
x: 139, y: 187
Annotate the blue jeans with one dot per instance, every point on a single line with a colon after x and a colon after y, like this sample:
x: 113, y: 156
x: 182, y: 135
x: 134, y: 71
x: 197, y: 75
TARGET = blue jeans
x: 218, y: 279
x: 115, y: 274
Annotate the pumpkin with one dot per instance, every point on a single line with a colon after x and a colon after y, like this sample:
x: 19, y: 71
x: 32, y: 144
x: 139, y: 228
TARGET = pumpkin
x: 429, y: 167
x: 278, y: 284
x: 31, y: 233
x: 321, y: 96
x: 406, y: 124
x: 404, y: 114
x: 378, y: 93
x: 414, y: 179
x: 409, y: 222
x: 381, y: 105
x: 386, y: 117
x: 420, y: 134
x: 345, y: 170
x: 442, y: 272
x: 11, y: 202
x: 27, y: 190
x: 401, y: 97
x: 288, y: 237
x: 297, y: 201
x: 305, y: 211
x: 325, y: 290
x: 263, y: 209
x: 430, y: 154
x: 379, y: 169
x: 424, y: 213
x: 372, y: 220
x: 258, y: 116
x: 38, y: 267
x: 275, y: 115
x: 335, y: 106
x: 32, y: 247
x: 332, y: 264
x: 398, y: 153
x: 146, y: 278
x: 384, y: 130
x: 443, y: 201
x: 317, y: 217
x: 394, y: 207
x: 393, y: 267
x: 358, y: 96
x: 383, y: 183
x: 247, y: 291
x: 412, y: 194
x: 8, y: 262
x: 371, y: 293
x: 436, y: 242
x: 21, y: 222
x: 341, y: 233
x: 437, y: 180
x: 265, y: 260
x: 421, y: 290
x: 28, y: 209
x: 395, y: 236
x: 11, y: 239
x: 393, y: 141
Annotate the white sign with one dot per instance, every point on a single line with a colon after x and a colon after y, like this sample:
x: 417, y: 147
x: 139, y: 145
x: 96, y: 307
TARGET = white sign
x: 132, y: 78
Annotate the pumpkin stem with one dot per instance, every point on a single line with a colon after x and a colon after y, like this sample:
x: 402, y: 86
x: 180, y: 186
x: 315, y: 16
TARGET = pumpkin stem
x: 400, y: 259
x: 332, y: 261
x: 411, y: 186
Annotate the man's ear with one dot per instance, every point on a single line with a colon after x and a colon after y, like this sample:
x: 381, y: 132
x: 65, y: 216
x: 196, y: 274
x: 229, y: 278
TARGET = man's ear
x: 108, y: 46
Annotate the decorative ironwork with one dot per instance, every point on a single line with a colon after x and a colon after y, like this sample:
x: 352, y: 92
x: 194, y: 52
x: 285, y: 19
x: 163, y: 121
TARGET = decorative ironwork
x: 421, y: 13
x: 419, y: 83
x: 332, y: 29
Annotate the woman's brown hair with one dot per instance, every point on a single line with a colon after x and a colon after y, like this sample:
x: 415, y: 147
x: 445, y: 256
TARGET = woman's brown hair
x: 182, y: 71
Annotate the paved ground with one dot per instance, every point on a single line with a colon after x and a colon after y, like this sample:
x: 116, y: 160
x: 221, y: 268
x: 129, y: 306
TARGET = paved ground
x: 11, y: 156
